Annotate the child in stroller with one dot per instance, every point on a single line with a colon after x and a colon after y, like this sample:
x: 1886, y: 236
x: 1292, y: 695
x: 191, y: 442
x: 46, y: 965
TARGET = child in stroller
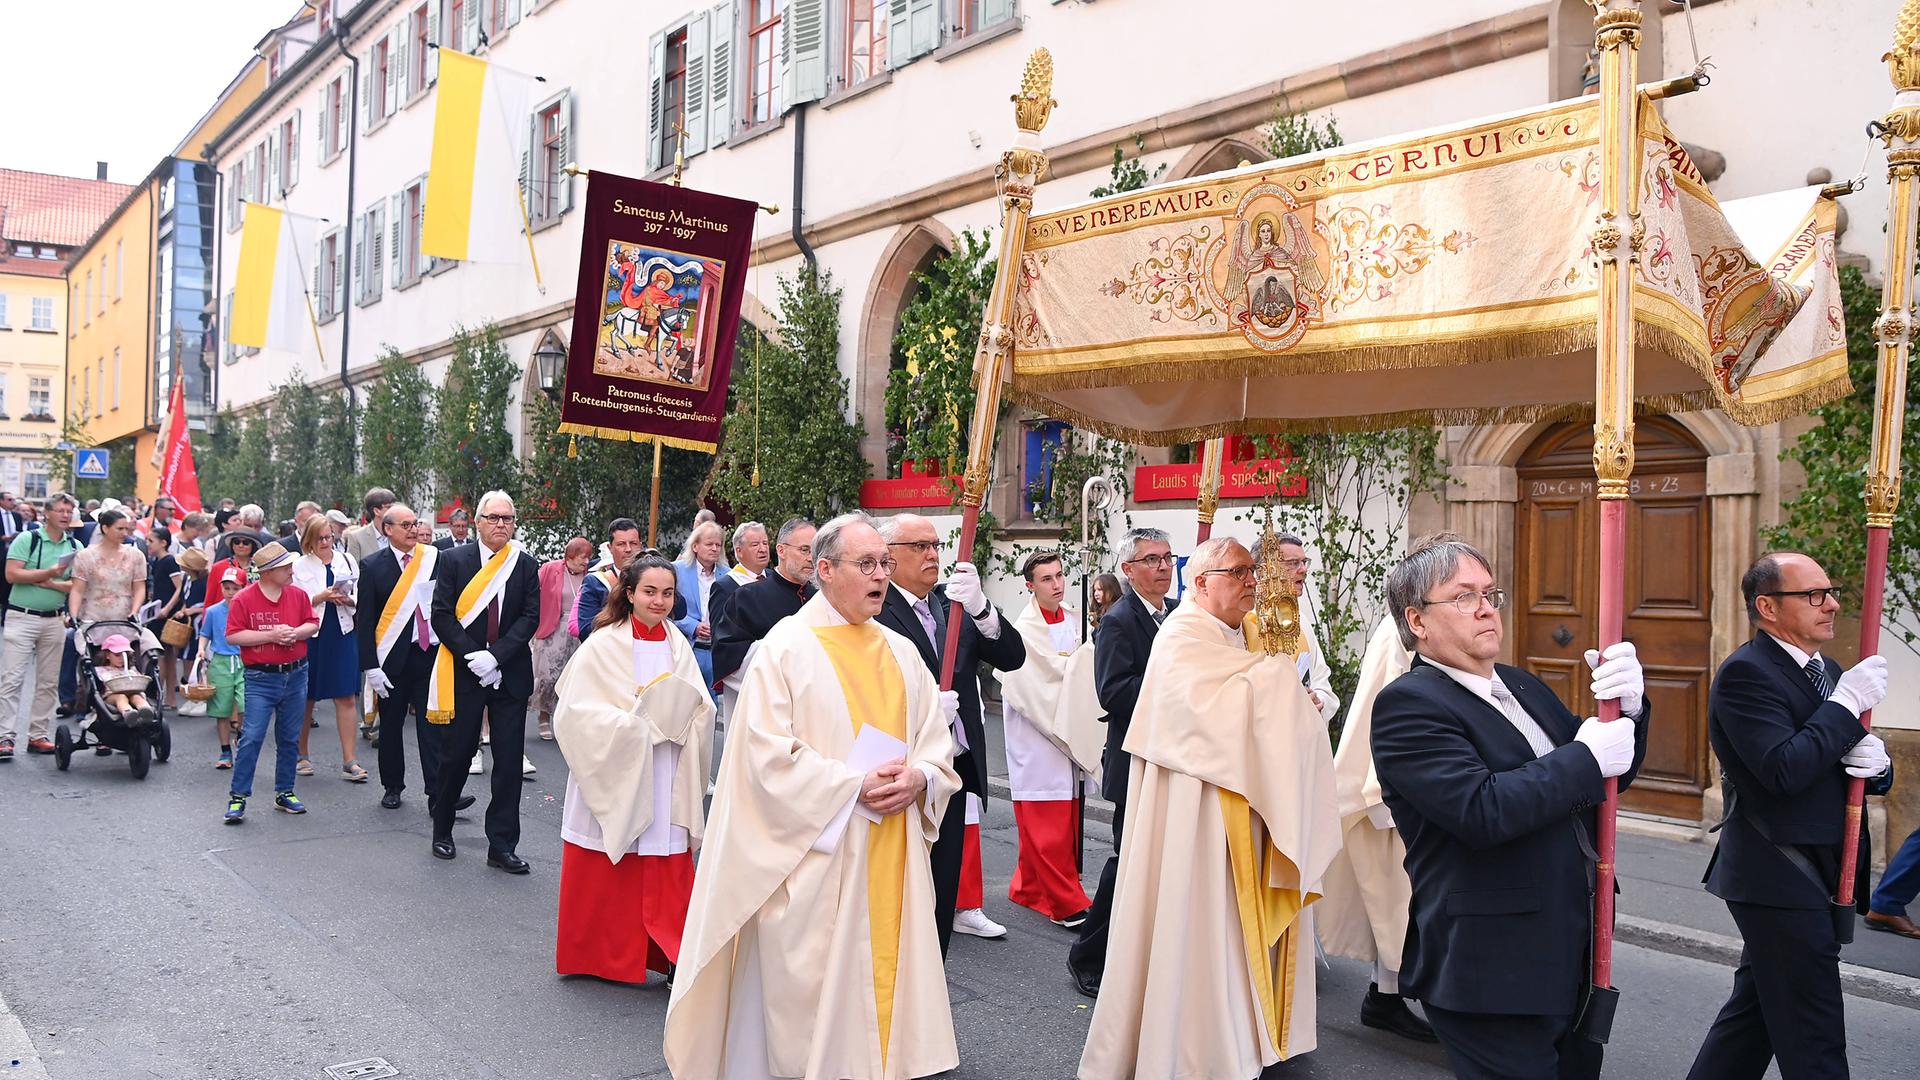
x: 122, y: 687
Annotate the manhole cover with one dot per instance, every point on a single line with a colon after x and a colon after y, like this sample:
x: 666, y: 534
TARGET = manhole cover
x: 372, y: 1068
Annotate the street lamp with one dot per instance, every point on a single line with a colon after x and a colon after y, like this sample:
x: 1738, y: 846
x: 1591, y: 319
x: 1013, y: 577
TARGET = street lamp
x: 551, y: 361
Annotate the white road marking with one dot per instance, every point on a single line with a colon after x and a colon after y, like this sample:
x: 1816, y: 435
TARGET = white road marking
x: 18, y: 1059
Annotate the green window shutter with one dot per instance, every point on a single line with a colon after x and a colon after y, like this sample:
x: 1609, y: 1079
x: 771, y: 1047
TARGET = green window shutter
x: 432, y: 59
x: 803, y: 53
x: 723, y: 22
x: 698, y: 61
x: 396, y: 224
x: 566, y: 150
x: 995, y: 12
x: 656, y: 72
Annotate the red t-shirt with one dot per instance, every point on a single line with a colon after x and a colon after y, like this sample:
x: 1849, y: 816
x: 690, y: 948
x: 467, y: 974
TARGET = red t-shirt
x: 251, y: 610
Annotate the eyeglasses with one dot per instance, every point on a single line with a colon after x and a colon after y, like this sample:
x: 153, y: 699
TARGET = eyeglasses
x: 400, y: 524
x: 498, y: 519
x: 920, y: 547
x: 1301, y: 563
x: 1151, y: 562
x: 1240, y: 573
x: 1815, y: 597
x: 869, y: 566
x: 1469, y: 602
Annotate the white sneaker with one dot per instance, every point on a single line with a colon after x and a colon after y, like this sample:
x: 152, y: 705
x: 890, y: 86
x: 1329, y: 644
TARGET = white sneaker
x: 474, y: 769
x: 975, y: 922
x: 526, y: 766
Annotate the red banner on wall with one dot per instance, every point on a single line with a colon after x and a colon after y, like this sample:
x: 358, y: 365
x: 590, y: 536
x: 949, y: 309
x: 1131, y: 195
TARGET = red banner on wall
x: 662, y: 274
x: 1238, y: 480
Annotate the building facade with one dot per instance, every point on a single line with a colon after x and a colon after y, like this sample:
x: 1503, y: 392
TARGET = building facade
x: 876, y: 126
x: 44, y: 221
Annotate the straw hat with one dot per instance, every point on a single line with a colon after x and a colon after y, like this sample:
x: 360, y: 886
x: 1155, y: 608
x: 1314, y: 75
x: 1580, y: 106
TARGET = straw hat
x: 193, y: 560
x: 271, y: 557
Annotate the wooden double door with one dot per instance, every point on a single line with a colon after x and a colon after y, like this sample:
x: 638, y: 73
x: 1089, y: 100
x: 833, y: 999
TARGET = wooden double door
x: 1668, y: 593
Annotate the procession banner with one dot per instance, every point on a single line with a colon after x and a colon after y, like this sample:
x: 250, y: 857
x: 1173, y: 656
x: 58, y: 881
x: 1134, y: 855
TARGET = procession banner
x: 1446, y: 277
x: 662, y: 274
x: 179, y: 480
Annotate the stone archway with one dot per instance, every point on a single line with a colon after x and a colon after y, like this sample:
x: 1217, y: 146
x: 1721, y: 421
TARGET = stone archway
x: 530, y: 384
x: 1217, y: 156
x: 910, y: 251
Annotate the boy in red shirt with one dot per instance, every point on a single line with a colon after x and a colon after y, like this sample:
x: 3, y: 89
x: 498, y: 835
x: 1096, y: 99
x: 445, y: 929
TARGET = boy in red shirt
x: 270, y: 622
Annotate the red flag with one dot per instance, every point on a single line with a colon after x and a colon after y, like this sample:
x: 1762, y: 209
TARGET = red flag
x: 178, y: 480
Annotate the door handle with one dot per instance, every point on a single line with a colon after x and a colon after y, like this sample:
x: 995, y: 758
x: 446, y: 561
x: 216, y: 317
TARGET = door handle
x: 1562, y: 636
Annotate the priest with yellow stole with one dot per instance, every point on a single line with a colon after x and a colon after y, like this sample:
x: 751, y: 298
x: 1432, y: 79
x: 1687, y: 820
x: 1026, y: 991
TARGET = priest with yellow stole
x: 1231, y: 821
x: 810, y: 948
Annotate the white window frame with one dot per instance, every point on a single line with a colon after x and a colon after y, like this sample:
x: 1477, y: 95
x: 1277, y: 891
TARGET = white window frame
x: 43, y: 386
x: 100, y: 397
x: 36, y: 479
x: 116, y: 378
x: 86, y: 302
x: 551, y: 198
x: 103, y: 284
x: 36, y: 308
x: 3, y: 312
x: 326, y: 275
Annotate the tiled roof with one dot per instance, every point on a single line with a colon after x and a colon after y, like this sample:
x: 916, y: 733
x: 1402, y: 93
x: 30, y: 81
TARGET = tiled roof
x: 41, y: 208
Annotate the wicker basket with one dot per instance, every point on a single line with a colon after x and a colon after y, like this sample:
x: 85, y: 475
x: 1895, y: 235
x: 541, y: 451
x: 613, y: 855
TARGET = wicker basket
x: 198, y: 689
x: 177, y: 633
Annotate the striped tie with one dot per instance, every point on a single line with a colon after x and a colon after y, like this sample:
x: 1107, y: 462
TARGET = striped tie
x: 1817, y: 675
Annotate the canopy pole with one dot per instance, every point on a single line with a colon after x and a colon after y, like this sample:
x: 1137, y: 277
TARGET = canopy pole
x: 1893, y: 331
x: 1616, y: 246
x: 1018, y: 172
x: 1208, y: 501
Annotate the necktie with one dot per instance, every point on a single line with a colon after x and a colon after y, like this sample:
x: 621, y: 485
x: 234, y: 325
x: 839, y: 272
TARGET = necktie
x: 493, y: 620
x: 1817, y: 675
x: 925, y: 612
x: 1160, y: 616
x: 422, y: 633
x: 1528, y: 728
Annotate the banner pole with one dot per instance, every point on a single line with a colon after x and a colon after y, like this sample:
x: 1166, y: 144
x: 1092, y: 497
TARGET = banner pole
x: 1208, y: 501
x: 1616, y: 245
x: 1019, y: 171
x: 1893, y: 334
x: 653, y: 501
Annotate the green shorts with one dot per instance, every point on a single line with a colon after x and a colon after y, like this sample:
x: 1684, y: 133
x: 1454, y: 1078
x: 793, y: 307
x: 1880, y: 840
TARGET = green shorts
x: 229, y: 680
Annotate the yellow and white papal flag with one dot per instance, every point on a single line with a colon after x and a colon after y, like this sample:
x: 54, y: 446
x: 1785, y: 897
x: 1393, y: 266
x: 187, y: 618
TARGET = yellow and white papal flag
x: 475, y: 209
x: 269, y: 290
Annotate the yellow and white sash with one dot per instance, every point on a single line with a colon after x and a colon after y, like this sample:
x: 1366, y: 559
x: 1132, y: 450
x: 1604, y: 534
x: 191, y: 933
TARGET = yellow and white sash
x: 413, y: 592
x: 474, y: 600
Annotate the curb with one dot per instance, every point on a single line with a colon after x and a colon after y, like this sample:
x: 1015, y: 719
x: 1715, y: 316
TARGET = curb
x: 1887, y: 986
x: 1890, y: 987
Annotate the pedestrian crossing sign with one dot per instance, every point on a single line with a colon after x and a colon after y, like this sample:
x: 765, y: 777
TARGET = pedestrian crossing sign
x: 90, y: 464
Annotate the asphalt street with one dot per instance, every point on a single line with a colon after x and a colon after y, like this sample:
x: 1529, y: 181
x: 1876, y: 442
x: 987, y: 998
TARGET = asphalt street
x: 140, y: 937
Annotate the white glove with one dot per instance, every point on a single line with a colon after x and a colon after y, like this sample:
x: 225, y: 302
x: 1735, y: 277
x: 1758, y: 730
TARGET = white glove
x: 1611, y: 743
x: 1863, y: 686
x: 950, y: 706
x: 1867, y: 759
x: 964, y: 586
x: 491, y: 680
x: 1619, y: 677
x: 482, y: 664
x: 378, y: 682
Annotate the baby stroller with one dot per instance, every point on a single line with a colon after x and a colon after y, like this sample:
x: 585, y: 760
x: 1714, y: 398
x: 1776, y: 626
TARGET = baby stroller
x: 142, y: 734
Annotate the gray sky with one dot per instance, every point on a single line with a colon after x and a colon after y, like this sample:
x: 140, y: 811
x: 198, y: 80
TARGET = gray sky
x: 118, y: 81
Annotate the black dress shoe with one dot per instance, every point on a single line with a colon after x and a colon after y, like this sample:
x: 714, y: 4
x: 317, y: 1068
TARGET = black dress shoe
x: 462, y: 803
x: 1389, y: 1012
x: 443, y: 847
x: 508, y: 861
x: 391, y: 800
x: 1086, y: 984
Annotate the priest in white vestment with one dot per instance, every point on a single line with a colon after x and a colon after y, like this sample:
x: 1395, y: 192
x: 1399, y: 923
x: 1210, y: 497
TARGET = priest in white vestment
x: 810, y: 949
x: 633, y: 721
x: 1368, y: 894
x: 1045, y: 779
x: 1231, y: 821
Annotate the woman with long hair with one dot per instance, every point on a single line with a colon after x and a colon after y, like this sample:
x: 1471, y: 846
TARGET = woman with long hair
x: 327, y: 574
x: 634, y: 722
x: 1106, y: 593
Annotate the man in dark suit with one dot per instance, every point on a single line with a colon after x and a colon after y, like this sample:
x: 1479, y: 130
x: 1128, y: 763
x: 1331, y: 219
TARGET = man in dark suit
x: 1120, y: 651
x: 1492, y: 783
x: 751, y: 551
x: 492, y: 674
x: 11, y: 525
x: 1785, y: 724
x: 399, y: 673
x: 459, y: 531
x: 918, y: 607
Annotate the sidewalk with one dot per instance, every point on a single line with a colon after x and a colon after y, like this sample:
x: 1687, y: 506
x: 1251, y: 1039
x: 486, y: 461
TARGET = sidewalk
x: 1662, y: 903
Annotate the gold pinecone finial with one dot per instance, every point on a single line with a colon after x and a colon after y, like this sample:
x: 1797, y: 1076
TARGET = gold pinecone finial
x: 1034, y: 103
x: 1903, y: 63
